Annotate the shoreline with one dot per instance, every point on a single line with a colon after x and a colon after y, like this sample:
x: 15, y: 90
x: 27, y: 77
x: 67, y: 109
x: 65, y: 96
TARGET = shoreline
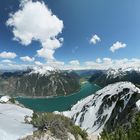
x: 50, y: 97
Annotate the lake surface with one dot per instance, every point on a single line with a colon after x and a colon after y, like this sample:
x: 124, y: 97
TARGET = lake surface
x: 61, y: 103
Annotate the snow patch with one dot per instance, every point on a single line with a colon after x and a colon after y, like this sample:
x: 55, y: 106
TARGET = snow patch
x: 119, y: 72
x: 138, y: 104
x: 5, y: 99
x: 44, y: 70
x: 12, y: 124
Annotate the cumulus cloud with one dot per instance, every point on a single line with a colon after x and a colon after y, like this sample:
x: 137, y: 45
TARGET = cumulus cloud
x: 27, y: 59
x: 48, y: 49
x: 98, y: 60
x: 74, y: 62
x: 105, y: 64
x: 95, y: 38
x: 107, y: 60
x: 9, y: 55
x: 13, y: 66
x: 35, y: 21
x: 91, y: 63
x: 6, y: 61
x: 38, y: 63
x: 54, y: 64
x: 116, y: 46
x: 110, y: 63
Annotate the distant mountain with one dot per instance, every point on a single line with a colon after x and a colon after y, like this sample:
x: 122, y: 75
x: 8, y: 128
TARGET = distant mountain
x: 87, y: 73
x: 39, y: 83
x: 112, y: 106
x: 110, y: 76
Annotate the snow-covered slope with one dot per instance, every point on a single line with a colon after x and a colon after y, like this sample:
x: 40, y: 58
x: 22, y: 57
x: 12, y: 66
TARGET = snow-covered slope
x: 105, y: 108
x: 12, y: 124
x: 116, y: 75
x: 121, y: 71
x: 43, y: 70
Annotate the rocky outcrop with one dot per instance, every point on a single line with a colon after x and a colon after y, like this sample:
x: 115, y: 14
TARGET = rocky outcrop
x: 52, y: 126
x: 48, y: 136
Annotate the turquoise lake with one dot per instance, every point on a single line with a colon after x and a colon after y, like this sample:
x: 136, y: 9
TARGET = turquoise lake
x: 61, y: 103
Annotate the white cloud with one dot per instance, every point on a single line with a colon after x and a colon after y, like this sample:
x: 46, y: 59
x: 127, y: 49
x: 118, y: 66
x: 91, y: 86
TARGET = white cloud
x: 34, y: 21
x: 95, y: 38
x: 49, y: 49
x: 116, y: 46
x: 7, y: 61
x: 9, y: 55
x: 13, y: 66
x: 90, y: 63
x: 27, y: 59
x: 56, y: 64
x: 98, y: 60
x: 110, y: 63
x: 74, y: 62
x: 107, y: 60
x: 38, y: 63
x: 106, y: 63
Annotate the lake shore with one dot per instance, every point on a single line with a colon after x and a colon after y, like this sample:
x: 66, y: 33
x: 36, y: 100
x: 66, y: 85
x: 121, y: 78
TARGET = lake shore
x: 58, y: 103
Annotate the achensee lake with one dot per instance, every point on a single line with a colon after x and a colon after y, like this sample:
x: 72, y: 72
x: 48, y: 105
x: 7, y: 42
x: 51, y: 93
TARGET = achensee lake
x: 61, y: 103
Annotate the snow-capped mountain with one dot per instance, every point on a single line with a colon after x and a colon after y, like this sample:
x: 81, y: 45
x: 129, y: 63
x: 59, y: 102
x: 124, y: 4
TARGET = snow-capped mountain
x: 116, y: 75
x: 39, y: 82
x: 112, y: 105
x: 44, y: 70
x: 122, y: 71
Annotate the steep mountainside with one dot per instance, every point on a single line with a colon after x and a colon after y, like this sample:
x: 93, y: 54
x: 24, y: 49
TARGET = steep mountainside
x: 110, y: 76
x: 113, y: 105
x: 39, y: 83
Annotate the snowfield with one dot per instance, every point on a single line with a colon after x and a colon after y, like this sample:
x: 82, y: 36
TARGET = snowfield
x: 43, y: 70
x: 12, y: 125
x: 120, y: 72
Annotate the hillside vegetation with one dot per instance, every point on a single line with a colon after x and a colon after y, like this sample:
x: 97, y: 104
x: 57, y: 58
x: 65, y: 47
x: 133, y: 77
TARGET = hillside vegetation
x: 124, y: 133
x: 56, y: 126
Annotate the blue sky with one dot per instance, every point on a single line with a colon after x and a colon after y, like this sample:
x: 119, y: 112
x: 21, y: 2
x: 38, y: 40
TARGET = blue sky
x: 111, y: 21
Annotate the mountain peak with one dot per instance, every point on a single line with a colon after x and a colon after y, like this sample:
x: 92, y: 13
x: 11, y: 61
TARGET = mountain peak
x: 43, y: 70
x: 108, y: 104
x: 117, y: 72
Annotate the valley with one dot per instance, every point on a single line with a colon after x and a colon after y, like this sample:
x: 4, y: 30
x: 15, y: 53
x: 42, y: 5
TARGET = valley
x: 69, y: 70
x: 61, y: 103
x: 40, y: 83
x: 92, y: 108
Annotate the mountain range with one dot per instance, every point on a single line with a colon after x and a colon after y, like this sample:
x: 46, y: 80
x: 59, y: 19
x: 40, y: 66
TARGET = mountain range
x: 103, y: 78
x: 116, y: 104
x: 39, y: 83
